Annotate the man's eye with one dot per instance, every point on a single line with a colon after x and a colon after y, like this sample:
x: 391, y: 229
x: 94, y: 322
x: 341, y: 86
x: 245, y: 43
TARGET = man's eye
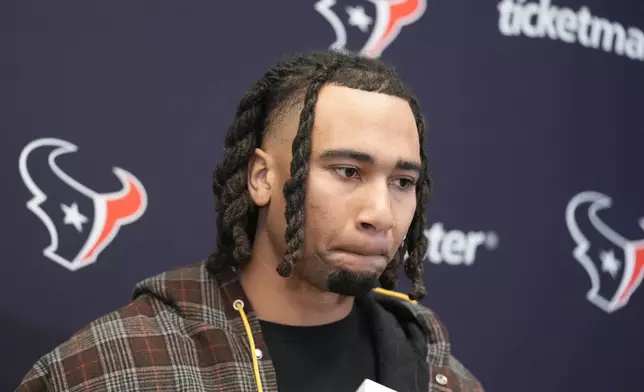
x: 348, y: 172
x: 404, y: 183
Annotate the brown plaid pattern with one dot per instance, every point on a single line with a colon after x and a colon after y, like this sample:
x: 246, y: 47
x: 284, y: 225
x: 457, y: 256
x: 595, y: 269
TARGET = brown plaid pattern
x: 181, y: 333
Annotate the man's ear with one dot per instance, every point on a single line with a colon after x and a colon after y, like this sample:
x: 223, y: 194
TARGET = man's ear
x: 260, y: 177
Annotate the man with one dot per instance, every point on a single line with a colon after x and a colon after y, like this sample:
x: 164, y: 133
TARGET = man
x: 321, y: 197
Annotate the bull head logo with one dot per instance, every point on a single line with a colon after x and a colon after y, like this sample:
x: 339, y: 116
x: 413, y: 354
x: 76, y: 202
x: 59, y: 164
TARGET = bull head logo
x: 80, y: 221
x: 368, y: 26
x: 614, y: 264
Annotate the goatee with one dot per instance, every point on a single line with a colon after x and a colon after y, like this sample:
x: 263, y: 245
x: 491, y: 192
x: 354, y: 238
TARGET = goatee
x: 351, y: 283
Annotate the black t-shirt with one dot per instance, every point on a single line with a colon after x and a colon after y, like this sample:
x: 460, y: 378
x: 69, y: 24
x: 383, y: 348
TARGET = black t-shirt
x: 333, y: 357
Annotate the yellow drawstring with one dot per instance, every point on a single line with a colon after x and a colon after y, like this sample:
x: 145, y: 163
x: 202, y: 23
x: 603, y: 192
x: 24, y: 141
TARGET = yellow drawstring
x: 394, y: 294
x: 239, y: 305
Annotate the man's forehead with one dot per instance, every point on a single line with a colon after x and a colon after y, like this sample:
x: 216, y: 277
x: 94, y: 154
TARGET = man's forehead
x: 346, y: 118
x: 335, y: 100
x: 379, y: 124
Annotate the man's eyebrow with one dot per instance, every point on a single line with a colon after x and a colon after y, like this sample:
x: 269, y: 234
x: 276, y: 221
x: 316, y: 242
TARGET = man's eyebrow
x: 411, y: 166
x: 367, y: 158
x: 349, y: 154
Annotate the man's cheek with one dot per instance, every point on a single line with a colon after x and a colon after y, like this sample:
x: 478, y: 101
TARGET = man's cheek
x: 319, y: 214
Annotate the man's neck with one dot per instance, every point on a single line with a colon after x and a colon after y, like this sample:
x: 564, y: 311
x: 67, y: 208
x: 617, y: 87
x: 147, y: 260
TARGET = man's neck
x: 292, y: 300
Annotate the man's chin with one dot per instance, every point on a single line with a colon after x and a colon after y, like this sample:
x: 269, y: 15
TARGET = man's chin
x: 352, y: 283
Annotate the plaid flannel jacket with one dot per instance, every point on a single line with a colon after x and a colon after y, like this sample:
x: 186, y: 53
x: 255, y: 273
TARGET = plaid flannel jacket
x: 182, y: 332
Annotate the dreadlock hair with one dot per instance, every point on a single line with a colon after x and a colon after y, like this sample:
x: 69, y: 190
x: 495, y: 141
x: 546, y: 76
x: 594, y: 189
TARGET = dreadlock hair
x: 296, y: 80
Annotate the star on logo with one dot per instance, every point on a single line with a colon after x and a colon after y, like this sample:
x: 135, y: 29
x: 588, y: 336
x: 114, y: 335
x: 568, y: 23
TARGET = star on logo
x: 610, y: 263
x: 73, y: 216
x: 358, y: 18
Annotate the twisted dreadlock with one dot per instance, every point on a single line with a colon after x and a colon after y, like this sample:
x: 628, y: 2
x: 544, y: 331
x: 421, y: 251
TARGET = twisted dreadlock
x: 296, y: 80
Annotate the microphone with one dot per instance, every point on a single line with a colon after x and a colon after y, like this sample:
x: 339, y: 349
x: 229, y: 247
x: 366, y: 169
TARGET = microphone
x: 372, y: 386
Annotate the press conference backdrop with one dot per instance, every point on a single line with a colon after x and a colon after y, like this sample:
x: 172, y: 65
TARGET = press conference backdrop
x: 114, y: 113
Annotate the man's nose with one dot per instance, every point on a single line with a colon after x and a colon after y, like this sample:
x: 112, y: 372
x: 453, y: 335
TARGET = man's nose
x: 376, y: 213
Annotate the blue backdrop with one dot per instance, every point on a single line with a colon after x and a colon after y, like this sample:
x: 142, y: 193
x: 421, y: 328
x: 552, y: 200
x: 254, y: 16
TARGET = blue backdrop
x: 536, y: 134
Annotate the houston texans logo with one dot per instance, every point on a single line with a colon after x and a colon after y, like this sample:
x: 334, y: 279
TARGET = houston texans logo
x: 80, y: 221
x: 369, y: 26
x: 614, y: 264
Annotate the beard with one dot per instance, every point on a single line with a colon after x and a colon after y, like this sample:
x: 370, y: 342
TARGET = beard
x: 351, y: 283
